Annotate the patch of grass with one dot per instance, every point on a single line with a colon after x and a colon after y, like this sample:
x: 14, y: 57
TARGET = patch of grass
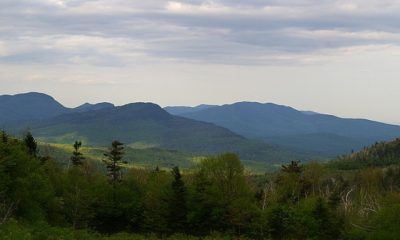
x: 148, y: 157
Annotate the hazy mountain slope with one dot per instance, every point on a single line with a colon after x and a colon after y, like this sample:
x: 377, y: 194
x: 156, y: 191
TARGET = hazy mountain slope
x: 24, y: 107
x: 148, y: 124
x: 89, y: 107
x: 322, y: 133
x: 325, y: 144
x: 28, y: 106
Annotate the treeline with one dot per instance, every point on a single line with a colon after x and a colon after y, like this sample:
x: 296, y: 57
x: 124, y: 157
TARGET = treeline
x: 41, y: 200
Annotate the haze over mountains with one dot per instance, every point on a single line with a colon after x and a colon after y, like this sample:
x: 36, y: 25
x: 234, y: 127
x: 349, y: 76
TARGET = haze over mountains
x: 261, y: 132
x: 321, y: 133
x: 29, y: 106
x: 34, y: 106
x: 143, y: 124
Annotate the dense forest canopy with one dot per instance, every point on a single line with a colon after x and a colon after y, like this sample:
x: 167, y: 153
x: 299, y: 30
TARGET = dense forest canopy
x: 218, y: 199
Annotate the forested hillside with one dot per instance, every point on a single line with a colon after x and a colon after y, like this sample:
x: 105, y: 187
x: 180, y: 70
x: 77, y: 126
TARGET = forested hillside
x: 380, y: 154
x: 40, y: 199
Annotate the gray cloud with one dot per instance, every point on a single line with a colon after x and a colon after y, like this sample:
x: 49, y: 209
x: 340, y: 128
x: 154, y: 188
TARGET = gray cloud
x: 102, y: 32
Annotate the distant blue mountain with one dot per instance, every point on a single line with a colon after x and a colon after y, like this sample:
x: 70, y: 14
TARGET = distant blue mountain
x: 201, y: 129
x: 90, y: 107
x: 35, y: 106
x: 326, y: 134
x: 136, y: 123
x: 28, y: 106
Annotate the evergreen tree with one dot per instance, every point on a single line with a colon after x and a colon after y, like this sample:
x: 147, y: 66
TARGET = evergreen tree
x: 77, y: 157
x: 178, y: 209
x: 114, y: 160
x: 281, y: 222
x: 328, y: 225
x: 4, y: 136
x: 31, y: 144
x: 293, y: 167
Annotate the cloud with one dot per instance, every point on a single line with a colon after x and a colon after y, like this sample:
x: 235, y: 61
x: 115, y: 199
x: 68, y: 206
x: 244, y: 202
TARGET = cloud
x: 3, y: 49
x: 125, y: 32
x: 208, y: 7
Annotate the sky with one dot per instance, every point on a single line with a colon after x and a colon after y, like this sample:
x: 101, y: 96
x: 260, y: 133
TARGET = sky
x: 330, y: 56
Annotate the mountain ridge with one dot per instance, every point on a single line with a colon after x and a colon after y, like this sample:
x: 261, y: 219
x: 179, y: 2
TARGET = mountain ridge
x: 279, y: 124
x: 35, y: 106
x: 265, y: 125
x: 149, y: 124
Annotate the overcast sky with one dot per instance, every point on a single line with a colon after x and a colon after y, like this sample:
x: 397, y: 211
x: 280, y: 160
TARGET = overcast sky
x: 331, y: 56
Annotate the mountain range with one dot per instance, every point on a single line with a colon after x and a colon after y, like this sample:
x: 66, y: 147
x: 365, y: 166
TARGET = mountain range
x: 135, y: 124
x: 36, y: 106
x: 258, y: 132
x: 322, y: 134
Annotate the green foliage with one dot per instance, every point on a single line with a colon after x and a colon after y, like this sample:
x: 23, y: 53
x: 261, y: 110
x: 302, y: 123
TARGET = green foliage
x: 215, y: 200
x: 25, y: 188
x: 378, y: 155
x: 78, y: 198
x: 293, y: 167
x: 155, y: 202
x: 177, y: 203
x: 114, y: 161
x: 281, y: 222
x: 77, y: 157
x: 220, y: 189
x: 143, y: 158
x: 387, y: 221
x: 31, y: 144
x: 3, y: 136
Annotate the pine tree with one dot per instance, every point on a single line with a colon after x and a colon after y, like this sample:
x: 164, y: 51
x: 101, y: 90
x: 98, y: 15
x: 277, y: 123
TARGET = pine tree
x: 114, y: 161
x: 293, y: 167
x: 30, y: 142
x: 328, y: 225
x: 77, y: 157
x: 4, y: 136
x: 178, y: 209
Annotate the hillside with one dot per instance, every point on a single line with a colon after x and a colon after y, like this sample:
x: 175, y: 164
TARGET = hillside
x: 380, y: 154
x: 326, y: 134
x: 147, y: 158
x: 149, y: 125
x: 135, y: 157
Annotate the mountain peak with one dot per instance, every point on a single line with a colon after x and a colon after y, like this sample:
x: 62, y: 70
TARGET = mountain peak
x: 138, y: 106
x: 30, y: 95
x: 28, y: 106
x: 143, y: 110
x: 91, y: 107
